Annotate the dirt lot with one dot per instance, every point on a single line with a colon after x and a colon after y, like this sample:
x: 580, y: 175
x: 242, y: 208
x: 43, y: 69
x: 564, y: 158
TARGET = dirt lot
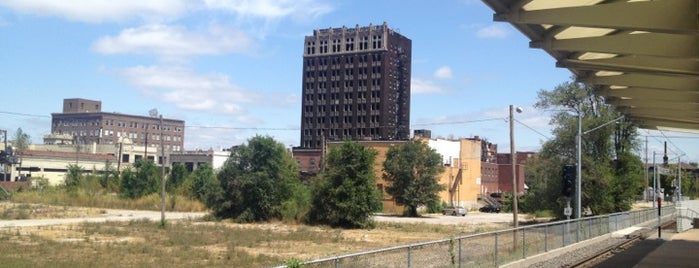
x: 136, y: 237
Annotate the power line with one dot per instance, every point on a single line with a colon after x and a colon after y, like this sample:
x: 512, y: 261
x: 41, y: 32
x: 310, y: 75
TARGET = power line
x: 23, y: 114
x: 672, y: 143
x: 243, y: 128
x: 660, y: 141
x: 532, y: 129
x: 457, y: 122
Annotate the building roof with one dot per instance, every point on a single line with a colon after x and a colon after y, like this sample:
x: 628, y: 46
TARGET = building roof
x: 642, y: 56
x: 143, y: 117
x: 80, y: 156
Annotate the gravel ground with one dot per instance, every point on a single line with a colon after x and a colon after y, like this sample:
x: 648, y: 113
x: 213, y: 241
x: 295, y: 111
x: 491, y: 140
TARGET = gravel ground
x: 570, y: 257
x: 110, y: 215
x: 470, y: 218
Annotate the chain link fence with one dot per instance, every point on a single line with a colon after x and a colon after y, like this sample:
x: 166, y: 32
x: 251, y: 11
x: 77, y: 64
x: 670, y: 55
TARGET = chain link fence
x: 493, y: 249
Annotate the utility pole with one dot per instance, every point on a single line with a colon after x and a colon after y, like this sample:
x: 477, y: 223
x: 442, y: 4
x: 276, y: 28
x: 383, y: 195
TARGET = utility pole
x: 162, y: 175
x: 645, y: 172
x: 515, y: 220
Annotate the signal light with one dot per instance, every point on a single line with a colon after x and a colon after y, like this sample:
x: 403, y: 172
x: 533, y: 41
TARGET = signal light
x: 568, y: 180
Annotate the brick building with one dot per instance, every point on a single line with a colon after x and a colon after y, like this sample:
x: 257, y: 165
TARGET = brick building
x: 85, y: 121
x: 356, y: 85
x: 505, y: 171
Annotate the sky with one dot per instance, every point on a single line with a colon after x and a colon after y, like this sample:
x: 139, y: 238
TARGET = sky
x: 232, y: 69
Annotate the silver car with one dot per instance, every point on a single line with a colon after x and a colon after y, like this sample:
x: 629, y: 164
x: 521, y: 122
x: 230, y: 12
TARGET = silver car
x: 458, y: 210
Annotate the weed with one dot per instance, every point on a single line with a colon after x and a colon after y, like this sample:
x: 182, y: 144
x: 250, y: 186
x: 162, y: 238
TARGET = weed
x: 294, y: 263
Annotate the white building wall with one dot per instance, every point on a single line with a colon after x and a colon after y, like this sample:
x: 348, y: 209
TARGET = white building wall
x: 448, y: 149
x: 219, y: 158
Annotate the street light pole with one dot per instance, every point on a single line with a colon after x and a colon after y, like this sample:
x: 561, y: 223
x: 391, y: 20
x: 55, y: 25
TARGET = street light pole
x: 578, y: 179
x: 578, y: 183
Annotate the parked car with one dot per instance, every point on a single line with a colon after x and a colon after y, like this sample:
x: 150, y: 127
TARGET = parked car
x: 490, y: 209
x: 454, y: 211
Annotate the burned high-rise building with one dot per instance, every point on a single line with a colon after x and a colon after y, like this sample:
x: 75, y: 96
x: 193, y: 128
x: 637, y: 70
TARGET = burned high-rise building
x: 356, y: 85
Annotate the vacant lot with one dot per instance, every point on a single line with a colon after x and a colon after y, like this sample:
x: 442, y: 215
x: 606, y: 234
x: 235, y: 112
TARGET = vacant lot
x: 144, y: 243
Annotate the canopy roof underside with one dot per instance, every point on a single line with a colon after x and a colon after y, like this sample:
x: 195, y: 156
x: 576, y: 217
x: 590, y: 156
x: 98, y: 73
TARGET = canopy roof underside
x: 641, y: 55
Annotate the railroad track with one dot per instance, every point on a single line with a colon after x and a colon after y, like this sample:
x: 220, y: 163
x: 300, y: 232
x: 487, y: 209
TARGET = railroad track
x: 615, y: 249
x: 608, y: 253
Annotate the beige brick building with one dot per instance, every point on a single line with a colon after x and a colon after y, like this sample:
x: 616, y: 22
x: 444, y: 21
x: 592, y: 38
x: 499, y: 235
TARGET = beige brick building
x: 85, y: 121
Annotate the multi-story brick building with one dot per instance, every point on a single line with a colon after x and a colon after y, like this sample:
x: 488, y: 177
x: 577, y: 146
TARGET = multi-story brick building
x: 356, y: 85
x: 85, y: 121
x: 505, y: 171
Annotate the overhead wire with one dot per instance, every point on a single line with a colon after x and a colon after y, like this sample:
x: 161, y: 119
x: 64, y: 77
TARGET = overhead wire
x: 532, y: 129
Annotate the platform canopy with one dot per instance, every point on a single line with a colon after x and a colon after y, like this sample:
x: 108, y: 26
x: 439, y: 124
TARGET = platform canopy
x: 642, y: 56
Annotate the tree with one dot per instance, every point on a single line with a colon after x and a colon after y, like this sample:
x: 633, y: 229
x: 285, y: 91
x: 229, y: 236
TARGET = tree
x: 143, y: 182
x: 178, y: 174
x: 611, y: 177
x: 205, y: 187
x: 21, y: 142
x: 345, y: 195
x: 74, y: 178
x: 412, y: 170
x: 256, y: 181
x: 109, y: 179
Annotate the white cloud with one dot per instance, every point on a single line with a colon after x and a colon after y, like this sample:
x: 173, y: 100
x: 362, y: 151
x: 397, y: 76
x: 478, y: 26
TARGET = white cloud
x: 443, y: 72
x: 174, y: 41
x: 189, y: 90
x: 493, y: 31
x: 260, y: 17
x: 97, y: 11
x: 273, y: 9
x: 419, y: 86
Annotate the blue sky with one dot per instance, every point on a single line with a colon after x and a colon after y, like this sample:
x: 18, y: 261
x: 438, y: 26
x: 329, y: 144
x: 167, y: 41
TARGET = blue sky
x: 232, y: 69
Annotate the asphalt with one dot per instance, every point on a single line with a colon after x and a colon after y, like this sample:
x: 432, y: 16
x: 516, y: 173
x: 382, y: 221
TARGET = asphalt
x: 669, y: 250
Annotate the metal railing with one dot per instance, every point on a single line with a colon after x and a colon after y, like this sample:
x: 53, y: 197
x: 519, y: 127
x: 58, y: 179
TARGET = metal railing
x: 492, y: 249
x: 685, y: 219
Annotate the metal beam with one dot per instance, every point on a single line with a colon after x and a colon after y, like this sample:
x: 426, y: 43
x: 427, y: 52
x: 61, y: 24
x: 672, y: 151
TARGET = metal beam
x: 669, y: 106
x: 664, y: 45
x: 645, y: 80
x: 673, y: 16
x: 641, y: 64
x: 655, y: 123
x: 658, y: 114
x: 651, y: 93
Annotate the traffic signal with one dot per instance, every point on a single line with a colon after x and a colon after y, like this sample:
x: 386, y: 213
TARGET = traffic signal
x: 568, y: 180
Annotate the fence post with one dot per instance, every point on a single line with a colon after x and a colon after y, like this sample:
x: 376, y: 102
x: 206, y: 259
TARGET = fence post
x: 410, y: 252
x: 577, y: 230
x: 524, y: 248
x: 495, y: 256
x: 460, y: 252
x: 337, y: 262
x: 565, y: 230
x: 546, y: 238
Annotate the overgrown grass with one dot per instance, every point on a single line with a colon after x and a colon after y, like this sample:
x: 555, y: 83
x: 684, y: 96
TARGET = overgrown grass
x: 56, y: 196
x: 144, y: 244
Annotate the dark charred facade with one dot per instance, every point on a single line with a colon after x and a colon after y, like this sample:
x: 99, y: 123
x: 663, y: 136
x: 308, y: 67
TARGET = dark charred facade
x: 85, y: 121
x: 356, y: 85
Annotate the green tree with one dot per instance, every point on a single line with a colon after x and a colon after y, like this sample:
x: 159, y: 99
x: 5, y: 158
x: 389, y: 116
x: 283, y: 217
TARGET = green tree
x: 257, y: 180
x: 109, y: 179
x: 143, y: 182
x: 205, y: 187
x: 345, y: 195
x: 178, y: 175
x: 74, y: 178
x: 412, y: 169
x: 610, y: 172
x: 21, y: 141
